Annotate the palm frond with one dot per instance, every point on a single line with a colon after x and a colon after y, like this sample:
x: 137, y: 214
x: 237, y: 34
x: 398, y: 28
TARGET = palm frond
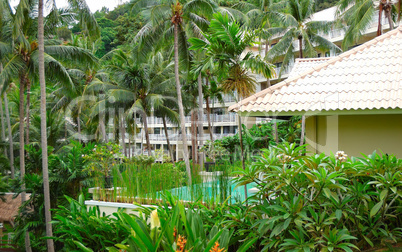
x: 72, y: 54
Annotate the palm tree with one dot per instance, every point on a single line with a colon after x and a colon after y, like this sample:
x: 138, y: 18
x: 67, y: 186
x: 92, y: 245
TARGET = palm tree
x: 213, y: 92
x: 297, y: 25
x: 141, y: 87
x: 10, y: 136
x: 224, y: 45
x: 358, y: 16
x: 187, y: 18
x: 45, y: 172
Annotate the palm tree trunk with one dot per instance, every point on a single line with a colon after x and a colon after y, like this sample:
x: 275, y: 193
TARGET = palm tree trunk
x: 242, y: 149
x: 144, y: 118
x: 200, y: 121
x: 209, y: 120
x: 268, y: 84
x: 48, y: 217
x: 167, y: 138
x: 79, y: 127
x: 22, y: 142
x: 193, y: 138
x: 123, y: 134
x: 3, y: 126
x: 300, y: 47
x: 102, y: 126
x: 209, y: 115
x: 10, y: 136
x: 196, y: 136
x: 28, y: 85
x: 379, y: 28
x: 212, y: 121
x: 388, y: 15
x: 180, y: 101
x: 303, y: 127
x: 276, y: 132
x: 22, y: 154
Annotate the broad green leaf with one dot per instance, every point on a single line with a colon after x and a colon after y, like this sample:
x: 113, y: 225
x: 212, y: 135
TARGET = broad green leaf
x: 383, y: 194
x: 82, y: 247
x: 212, y: 241
x: 247, y: 245
x: 368, y: 241
x: 338, y: 214
x: 376, y: 208
x: 327, y: 193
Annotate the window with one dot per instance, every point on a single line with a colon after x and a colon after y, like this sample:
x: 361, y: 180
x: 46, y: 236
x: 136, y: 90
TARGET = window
x: 217, y: 130
x: 278, y: 65
x: 157, y: 130
x: 218, y: 111
x: 229, y: 129
x: 319, y: 55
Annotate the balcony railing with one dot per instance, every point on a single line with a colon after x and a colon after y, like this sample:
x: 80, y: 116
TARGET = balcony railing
x: 178, y: 137
x: 226, y: 98
x: 230, y: 117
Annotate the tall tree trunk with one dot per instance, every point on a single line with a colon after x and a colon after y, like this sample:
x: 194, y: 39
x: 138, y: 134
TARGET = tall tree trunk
x: 144, y: 118
x: 180, y: 101
x: 209, y: 116
x: 3, y: 126
x: 193, y: 138
x: 300, y: 47
x: 28, y: 85
x: 79, y: 126
x: 243, y: 162
x: 213, y: 120
x: 10, y: 136
x: 268, y: 84
x: 388, y: 14
x: 123, y: 134
x: 200, y: 121
x: 167, y: 138
x: 303, y: 127
x: 276, y: 132
x: 22, y: 154
x: 102, y: 126
x: 48, y: 217
x: 379, y: 28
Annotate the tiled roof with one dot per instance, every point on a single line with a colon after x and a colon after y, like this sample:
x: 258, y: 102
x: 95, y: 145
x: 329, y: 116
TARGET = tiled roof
x: 302, y: 65
x: 364, y: 78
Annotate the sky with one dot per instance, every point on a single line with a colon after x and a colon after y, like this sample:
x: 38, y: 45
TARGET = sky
x: 94, y: 5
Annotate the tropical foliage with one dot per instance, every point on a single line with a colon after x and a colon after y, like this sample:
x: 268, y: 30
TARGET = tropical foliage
x: 79, y: 89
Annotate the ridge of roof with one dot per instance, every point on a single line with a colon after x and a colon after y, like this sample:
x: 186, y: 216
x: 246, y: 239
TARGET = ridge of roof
x: 333, y: 60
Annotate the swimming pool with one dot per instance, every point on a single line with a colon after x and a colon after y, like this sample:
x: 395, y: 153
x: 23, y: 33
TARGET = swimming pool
x: 215, y: 190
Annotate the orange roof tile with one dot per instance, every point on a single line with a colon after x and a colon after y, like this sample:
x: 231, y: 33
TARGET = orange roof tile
x: 366, y: 77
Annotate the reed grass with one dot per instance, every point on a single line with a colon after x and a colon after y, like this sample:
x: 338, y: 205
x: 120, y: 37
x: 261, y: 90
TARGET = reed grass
x: 145, y: 183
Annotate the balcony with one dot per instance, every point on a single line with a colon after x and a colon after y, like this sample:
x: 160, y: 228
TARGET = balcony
x: 230, y: 117
x: 178, y: 137
x: 226, y: 98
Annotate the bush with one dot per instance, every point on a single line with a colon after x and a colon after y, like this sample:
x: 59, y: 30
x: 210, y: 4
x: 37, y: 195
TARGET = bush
x: 326, y: 203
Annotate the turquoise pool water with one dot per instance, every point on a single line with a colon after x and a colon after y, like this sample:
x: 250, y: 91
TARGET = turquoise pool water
x: 213, y: 190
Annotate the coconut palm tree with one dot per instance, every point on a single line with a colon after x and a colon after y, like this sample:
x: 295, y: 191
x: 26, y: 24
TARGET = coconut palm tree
x: 224, y: 46
x: 358, y: 16
x: 297, y: 25
x: 177, y: 20
x: 141, y: 87
x: 45, y: 169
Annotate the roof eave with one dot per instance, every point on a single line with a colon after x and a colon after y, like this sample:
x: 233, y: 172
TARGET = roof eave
x: 321, y: 112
